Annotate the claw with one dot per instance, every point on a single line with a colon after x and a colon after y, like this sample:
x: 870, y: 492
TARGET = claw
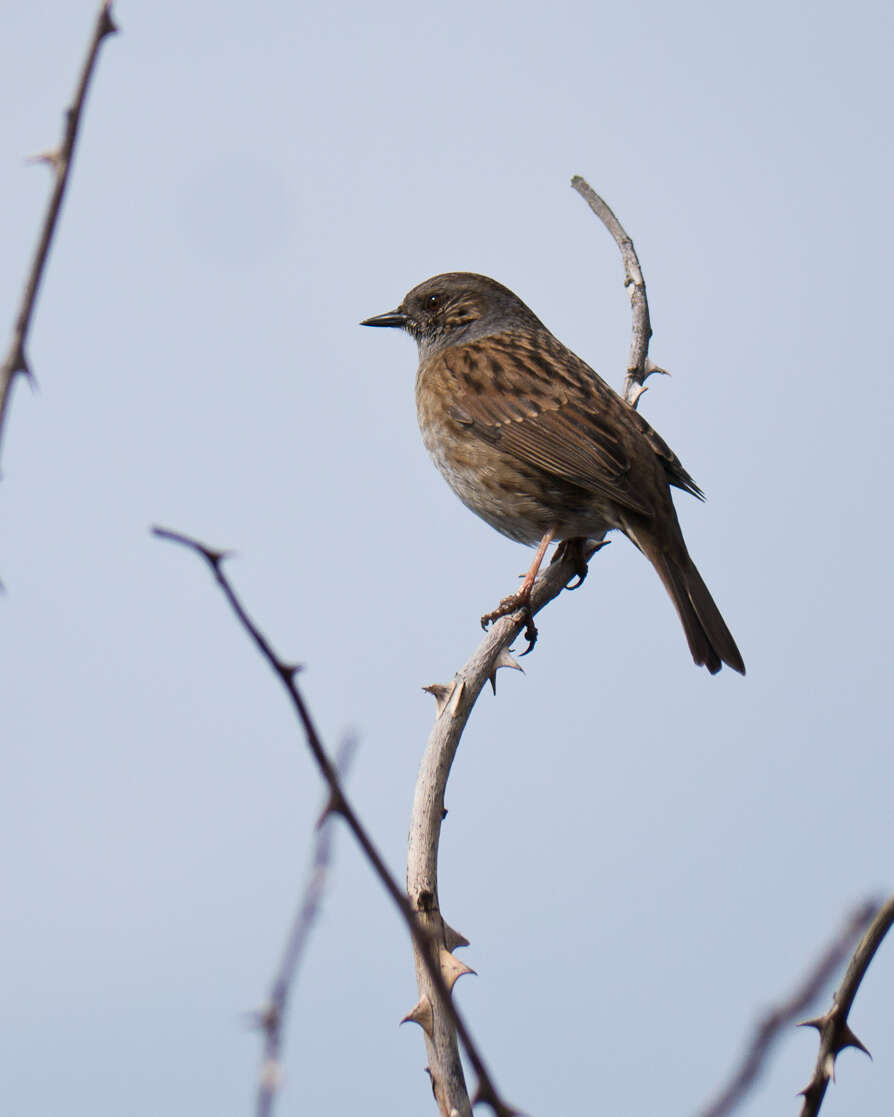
x: 581, y: 576
x: 530, y: 631
x: 506, y: 608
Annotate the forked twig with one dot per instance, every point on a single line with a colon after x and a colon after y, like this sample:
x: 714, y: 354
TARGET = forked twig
x: 339, y: 804
x: 781, y: 1016
x: 834, y: 1030
x: 60, y: 160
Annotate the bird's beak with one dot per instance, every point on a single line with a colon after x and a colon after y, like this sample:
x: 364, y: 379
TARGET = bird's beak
x: 392, y: 318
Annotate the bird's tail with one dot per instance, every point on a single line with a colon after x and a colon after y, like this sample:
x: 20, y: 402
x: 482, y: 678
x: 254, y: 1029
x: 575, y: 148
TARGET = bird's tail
x: 710, y: 641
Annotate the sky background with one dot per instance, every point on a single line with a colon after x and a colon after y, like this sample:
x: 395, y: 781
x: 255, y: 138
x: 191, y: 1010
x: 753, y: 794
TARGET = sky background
x: 643, y: 857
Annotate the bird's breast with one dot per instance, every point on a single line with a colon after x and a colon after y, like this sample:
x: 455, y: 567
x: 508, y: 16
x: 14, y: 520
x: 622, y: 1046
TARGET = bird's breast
x: 517, y: 498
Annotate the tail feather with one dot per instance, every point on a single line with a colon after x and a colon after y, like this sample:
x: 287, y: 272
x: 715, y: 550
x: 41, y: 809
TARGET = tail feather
x: 710, y: 641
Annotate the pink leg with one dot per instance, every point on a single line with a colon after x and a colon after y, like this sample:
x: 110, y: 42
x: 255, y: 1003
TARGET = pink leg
x: 522, y: 599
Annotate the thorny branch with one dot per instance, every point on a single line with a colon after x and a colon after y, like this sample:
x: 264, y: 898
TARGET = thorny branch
x: 835, y: 1033
x: 60, y: 160
x: 770, y: 1027
x: 339, y: 804
x: 454, y: 705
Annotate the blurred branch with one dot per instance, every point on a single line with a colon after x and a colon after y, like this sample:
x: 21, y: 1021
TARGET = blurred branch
x: 339, y: 804
x: 639, y: 367
x: 835, y: 1033
x: 272, y: 1017
x: 783, y: 1015
x: 60, y: 161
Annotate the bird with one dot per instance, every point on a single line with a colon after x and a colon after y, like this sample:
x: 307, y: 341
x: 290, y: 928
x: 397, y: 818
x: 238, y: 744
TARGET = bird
x: 538, y: 445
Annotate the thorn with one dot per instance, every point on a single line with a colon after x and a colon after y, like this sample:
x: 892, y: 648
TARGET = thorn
x: 810, y: 1091
x: 819, y: 1023
x: 452, y: 969
x: 441, y: 694
x: 109, y: 26
x: 639, y: 390
x: 452, y: 938
x: 263, y: 1018
x: 651, y: 367
x: 422, y: 1015
x: 51, y: 157
x: 848, y: 1039
x: 290, y: 670
x: 504, y: 659
x: 216, y: 558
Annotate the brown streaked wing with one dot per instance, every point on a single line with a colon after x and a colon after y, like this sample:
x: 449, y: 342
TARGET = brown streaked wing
x: 673, y: 467
x: 513, y: 394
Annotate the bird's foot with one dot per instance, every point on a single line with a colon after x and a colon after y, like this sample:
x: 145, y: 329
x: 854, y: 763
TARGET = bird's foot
x: 573, y: 551
x: 512, y: 604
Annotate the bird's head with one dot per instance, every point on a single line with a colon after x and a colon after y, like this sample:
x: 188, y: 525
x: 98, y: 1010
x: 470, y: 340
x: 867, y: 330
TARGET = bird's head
x: 454, y: 308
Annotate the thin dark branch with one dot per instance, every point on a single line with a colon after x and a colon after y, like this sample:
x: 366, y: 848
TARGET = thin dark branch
x: 273, y: 1016
x: 834, y: 1030
x: 783, y: 1015
x: 639, y: 367
x: 16, y: 360
x: 339, y: 804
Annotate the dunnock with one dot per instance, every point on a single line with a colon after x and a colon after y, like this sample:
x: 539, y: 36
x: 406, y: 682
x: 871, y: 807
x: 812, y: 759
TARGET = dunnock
x: 533, y: 441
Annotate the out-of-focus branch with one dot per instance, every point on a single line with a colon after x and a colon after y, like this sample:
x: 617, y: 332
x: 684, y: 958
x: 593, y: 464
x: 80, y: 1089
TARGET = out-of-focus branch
x: 271, y: 1017
x: 781, y: 1016
x: 835, y: 1033
x: 639, y: 367
x: 339, y: 804
x: 60, y: 160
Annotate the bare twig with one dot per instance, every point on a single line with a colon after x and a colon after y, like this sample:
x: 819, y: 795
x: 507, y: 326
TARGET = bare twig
x: 781, y: 1016
x: 60, y: 160
x: 272, y: 1017
x: 339, y: 804
x: 834, y: 1030
x: 639, y: 367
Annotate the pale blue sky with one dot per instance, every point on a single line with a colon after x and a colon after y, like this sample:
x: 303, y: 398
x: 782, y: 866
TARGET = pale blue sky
x: 642, y: 856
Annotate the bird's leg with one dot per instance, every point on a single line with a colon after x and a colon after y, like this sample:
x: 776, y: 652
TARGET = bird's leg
x: 522, y: 598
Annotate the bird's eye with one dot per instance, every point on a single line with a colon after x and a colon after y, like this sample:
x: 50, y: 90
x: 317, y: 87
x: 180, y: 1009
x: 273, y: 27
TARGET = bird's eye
x: 433, y: 302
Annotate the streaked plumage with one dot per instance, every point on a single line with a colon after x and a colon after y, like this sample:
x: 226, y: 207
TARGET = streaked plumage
x: 533, y: 440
